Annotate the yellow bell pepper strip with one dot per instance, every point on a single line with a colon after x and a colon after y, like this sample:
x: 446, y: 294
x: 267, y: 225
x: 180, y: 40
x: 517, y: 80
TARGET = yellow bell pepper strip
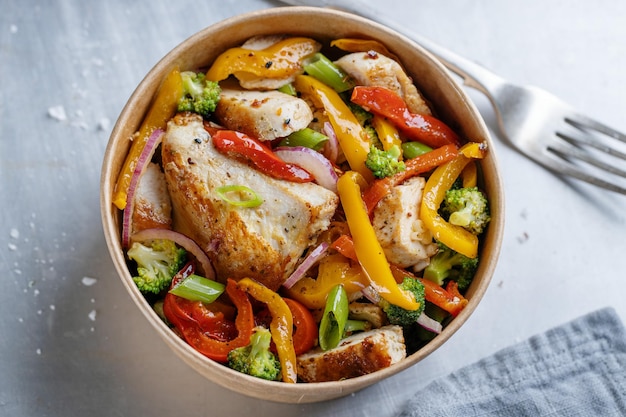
x: 415, y: 166
x: 281, y: 326
x: 280, y: 60
x: 451, y: 301
x: 387, y: 132
x: 469, y: 175
x: 420, y: 127
x: 368, y: 250
x: 362, y: 45
x: 333, y: 270
x: 440, y: 181
x: 352, y: 139
x: 162, y: 109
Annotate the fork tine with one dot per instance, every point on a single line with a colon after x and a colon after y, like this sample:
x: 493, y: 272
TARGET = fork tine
x: 577, y: 153
x: 559, y: 164
x: 586, y: 123
x: 585, y: 140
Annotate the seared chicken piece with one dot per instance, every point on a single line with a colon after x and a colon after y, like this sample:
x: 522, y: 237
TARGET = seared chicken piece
x: 260, y: 42
x: 374, y: 69
x: 153, y: 208
x: 264, y: 242
x: 368, y: 312
x: 265, y: 115
x: 402, y: 235
x: 359, y: 354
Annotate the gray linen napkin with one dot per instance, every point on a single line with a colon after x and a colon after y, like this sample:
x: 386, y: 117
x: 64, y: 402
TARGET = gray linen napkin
x: 576, y: 369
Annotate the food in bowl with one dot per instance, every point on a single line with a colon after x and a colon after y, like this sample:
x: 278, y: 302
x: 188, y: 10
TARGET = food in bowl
x: 297, y: 211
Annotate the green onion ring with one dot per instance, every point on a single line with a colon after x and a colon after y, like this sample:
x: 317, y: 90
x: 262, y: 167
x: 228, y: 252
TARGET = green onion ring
x: 254, y: 199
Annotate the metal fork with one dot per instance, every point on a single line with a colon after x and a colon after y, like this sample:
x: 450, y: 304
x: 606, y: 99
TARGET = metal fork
x: 533, y: 121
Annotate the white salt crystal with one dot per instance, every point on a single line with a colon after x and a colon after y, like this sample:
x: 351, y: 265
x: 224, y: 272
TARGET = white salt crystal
x: 14, y: 233
x: 92, y: 315
x: 57, y: 113
x: 88, y: 281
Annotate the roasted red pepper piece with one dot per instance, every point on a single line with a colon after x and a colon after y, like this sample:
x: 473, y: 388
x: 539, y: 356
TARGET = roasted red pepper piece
x: 241, y: 145
x: 420, y: 127
x: 305, y: 328
x: 305, y: 333
x: 208, y: 331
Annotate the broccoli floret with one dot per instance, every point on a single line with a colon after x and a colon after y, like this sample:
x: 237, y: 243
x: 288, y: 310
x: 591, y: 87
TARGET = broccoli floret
x: 384, y: 163
x: 400, y: 316
x: 466, y: 207
x: 199, y: 94
x: 255, y: 359
x: 362, y: 116
x: 157, y: 263
x: 448, y: 263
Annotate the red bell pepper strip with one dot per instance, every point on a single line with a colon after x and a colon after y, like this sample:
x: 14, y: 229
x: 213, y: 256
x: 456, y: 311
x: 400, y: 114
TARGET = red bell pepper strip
x: 305, y: 333
x: 415, y: 166
x: 449, y: 298
x: 208, y: 331
x: 420, y: 127
x: 304, y: 325
x: 241, y: 145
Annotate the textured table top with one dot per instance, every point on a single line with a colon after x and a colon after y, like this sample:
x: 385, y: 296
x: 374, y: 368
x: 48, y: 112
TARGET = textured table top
x: 71, y: 341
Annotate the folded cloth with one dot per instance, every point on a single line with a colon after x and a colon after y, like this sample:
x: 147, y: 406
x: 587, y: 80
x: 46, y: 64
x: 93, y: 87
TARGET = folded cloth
x: 576, y: 369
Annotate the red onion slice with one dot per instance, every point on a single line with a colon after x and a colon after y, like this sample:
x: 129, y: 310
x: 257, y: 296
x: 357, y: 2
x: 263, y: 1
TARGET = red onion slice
x: 144, y: 159
x: 315, y: 255
x: 370, y: 293
x: 429, y: 323
x: 181, y: 240
x: 313, y: 162
x: 331, y: 149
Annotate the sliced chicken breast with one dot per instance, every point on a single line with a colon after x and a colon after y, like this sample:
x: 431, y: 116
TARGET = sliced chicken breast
x: 402, y: 235
x: 264, y: 242
x: 359, y: 354
x: 152, y: 206
x: 374, y: 69
x: 265, y: 115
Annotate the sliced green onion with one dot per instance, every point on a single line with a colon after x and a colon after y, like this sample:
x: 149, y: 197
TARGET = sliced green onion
x: 306, y: 137
x: 324, y: 70
x: 333, y: 323
x: 288, y: 89
x: 413, y: 149
x: 239, y: 195
x: 197, y: 288
x: 356, y: 326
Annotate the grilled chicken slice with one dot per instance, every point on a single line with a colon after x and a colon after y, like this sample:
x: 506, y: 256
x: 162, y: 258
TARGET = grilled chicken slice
x: 356, y: 355
x: 264, y: 242
x: 374, y: 69
x: 368, y: 312
x: 402, y: 235
x: 152, y: 206
x: 265, y: 115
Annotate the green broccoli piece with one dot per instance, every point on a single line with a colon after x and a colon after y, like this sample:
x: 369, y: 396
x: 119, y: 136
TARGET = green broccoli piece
x: 448, y: 263
x: 157, y: 263
x: 385, y: 163
x: 400, y: 316
x: 466, y: 207
x: 362, y: 116
x: 255, y: 359
x: 199, y: 94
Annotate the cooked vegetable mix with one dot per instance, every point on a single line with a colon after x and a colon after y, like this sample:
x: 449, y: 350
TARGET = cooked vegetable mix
x: 313, y: 217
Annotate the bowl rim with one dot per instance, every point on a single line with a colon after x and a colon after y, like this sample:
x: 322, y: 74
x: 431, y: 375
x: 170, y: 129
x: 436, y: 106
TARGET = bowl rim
x: 224, y: 376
